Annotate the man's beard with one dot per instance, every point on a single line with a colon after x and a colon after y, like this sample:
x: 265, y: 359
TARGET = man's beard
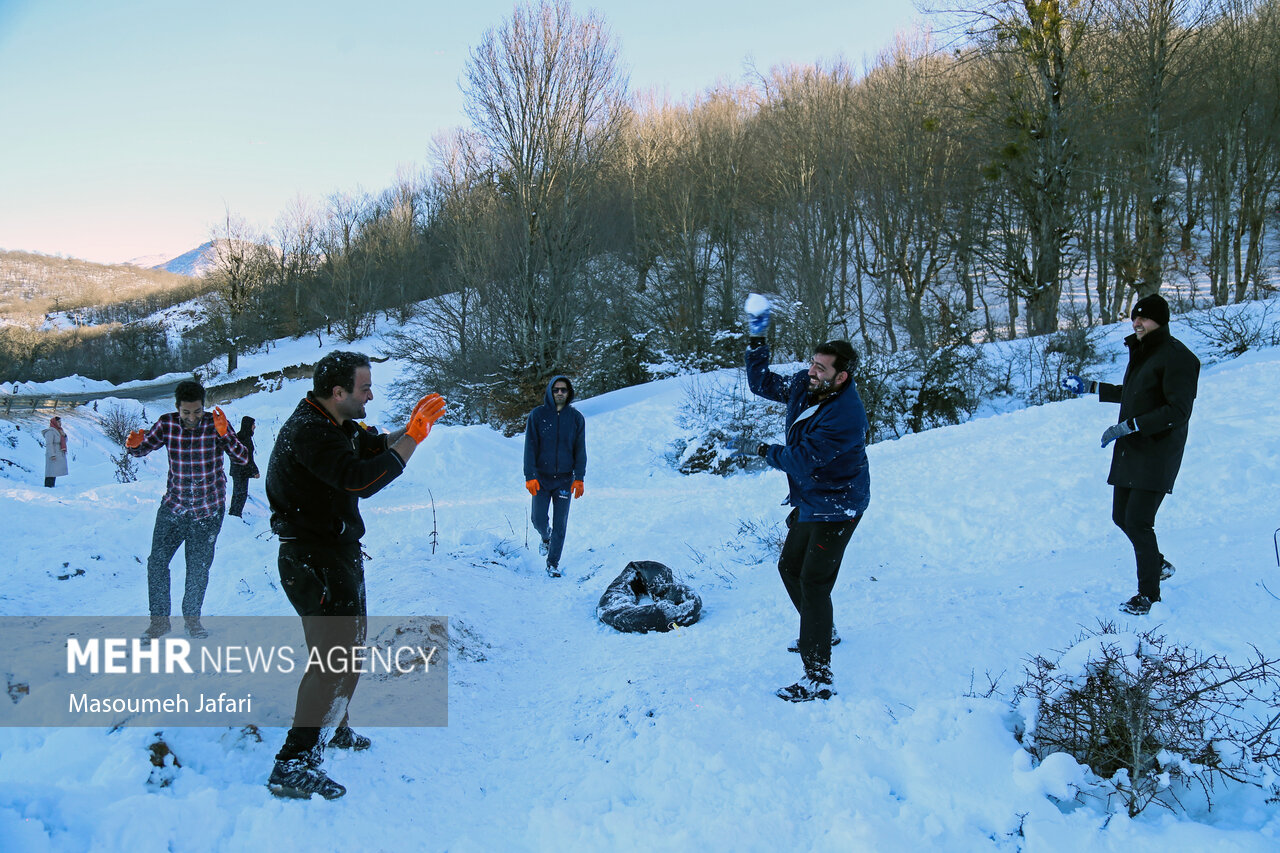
x: 821, y: 388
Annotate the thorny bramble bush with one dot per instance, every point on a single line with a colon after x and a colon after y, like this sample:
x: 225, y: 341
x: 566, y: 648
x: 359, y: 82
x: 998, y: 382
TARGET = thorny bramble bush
x: 1152, y: 719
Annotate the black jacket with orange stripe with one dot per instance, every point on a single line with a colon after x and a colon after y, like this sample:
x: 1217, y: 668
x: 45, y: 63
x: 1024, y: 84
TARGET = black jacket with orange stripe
x: 319, y: 470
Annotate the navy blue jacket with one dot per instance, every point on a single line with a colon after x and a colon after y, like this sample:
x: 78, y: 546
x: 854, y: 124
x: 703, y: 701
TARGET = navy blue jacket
x: 555, y: 442
x: 825, y: 457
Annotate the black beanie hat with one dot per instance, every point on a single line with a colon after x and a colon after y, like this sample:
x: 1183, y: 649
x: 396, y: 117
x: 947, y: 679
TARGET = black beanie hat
x: 1153, y: 307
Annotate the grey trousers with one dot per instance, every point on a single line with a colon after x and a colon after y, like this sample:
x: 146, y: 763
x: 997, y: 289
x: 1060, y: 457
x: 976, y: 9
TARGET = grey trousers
x: 200, y: 535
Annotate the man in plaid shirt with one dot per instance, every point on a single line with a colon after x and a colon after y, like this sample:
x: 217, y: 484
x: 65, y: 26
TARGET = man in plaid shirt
x: 193, y: 504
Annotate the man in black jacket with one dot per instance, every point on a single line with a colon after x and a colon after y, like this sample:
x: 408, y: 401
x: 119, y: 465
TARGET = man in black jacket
x: 323, y: 462
x: 1155, y: 405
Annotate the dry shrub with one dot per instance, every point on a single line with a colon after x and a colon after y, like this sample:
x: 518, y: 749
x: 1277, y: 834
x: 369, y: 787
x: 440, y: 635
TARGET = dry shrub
x: 1151, y: 718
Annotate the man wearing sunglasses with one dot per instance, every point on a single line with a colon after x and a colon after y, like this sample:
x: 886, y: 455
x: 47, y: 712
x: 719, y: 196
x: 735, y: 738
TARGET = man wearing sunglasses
x: 555, y: 463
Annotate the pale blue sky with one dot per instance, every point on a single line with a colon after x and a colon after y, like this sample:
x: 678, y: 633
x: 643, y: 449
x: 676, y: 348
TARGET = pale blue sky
x: 128, y: 127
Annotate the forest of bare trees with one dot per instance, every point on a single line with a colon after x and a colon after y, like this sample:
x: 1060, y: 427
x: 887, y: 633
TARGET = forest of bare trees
x: 1027, y: 166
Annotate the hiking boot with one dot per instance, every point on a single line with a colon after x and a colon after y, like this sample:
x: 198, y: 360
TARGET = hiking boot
x: 553, y: 571
x: 805, y: 690
x: 196, y: 631
x: 1166, y: 570
x: 345, y: 738
x: 1139, y: 605
x: 795, y: 644
x: 156, y: 630
x: 296, y: 778
x: 544, y: 547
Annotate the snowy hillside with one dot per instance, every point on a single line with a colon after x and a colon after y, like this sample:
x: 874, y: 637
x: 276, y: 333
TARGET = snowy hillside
x: 194, y: 263
x: 985, y: 543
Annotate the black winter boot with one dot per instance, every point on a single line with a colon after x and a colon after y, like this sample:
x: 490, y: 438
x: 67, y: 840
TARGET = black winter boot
x: 297, y: 779
x: 345, y: 738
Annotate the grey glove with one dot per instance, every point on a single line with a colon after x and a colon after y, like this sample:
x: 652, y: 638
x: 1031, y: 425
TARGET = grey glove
x: 1118, y: 430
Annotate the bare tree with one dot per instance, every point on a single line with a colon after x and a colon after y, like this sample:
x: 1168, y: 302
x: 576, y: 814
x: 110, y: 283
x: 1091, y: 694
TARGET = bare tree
x: 545, y: 94
x: 1150, y: 54
x: 1032, y: 98
x: 297, y: 240
x: 804, y: 152
x: 242, y: 263
x: 907, y: 167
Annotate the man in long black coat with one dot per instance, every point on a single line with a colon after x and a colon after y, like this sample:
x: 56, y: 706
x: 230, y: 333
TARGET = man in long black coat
x: 1155, y: 405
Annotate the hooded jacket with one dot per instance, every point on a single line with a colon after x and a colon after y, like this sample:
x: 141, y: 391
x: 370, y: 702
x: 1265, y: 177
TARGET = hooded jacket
x: 245, y: 434
x: 1159, y: 389
x: 825, y: 455
x: 555, y: 442
x: 319, y: 470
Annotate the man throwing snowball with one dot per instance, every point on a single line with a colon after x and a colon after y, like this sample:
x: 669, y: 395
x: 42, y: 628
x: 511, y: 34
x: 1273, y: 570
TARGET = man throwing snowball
x: 323, y: 462
x: 825, y: 460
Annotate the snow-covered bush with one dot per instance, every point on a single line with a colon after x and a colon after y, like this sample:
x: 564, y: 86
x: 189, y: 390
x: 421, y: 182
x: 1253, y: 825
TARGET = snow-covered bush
x: 1035, y: 368
x: 916, y: 390
x: 723, y: 422
x: 1233, y: 330
x: 117, y: 422
x: 1152, y: 719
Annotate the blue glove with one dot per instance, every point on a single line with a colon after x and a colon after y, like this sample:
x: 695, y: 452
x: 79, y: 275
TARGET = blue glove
x: 1118, y: 431
x: 1074, y: 384
x: 758, y: 324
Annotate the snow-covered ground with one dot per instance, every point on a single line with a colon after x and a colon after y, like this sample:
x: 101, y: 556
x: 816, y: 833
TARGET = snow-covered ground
x: 985, y: 543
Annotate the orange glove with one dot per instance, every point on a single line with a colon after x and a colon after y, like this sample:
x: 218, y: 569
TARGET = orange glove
x: 532, y: 486
x: 577, y: 488
x: 425, y: 414
x: 219, y: 421
x: 134, y: 439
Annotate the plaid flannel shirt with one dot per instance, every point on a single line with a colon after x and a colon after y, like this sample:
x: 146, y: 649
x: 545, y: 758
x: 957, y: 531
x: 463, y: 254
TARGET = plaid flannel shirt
x: 197, y: 483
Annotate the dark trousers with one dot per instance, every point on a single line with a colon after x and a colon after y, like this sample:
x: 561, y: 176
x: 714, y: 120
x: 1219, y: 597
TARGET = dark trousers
x: 325, y: 585
x: 239, y: 494
x: 556, y: 499
x: 200, y: 535
x: 1134, y: 512
x: 809, y: 565
x: 48, y: 482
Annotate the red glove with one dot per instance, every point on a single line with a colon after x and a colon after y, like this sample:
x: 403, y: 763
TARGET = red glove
x: 425, y: 414
x: 532, y: 486
x: 577, y: 488
x: 219, y: 421
x: 134, y: 439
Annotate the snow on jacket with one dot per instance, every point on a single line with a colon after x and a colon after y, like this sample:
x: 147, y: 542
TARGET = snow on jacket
x: 197, y: 483
x: 319, y: 469
x: 825, y: 455
x: 1158, y: 392
x: 55, y: 458
x: 555, y: 442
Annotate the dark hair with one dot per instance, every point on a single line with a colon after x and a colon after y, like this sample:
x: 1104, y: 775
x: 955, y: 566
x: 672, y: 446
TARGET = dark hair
x: 846, y: 357
x: 188, y: 391
x: 338, y: 368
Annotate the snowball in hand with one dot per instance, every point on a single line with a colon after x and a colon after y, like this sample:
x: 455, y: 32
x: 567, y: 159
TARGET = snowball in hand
x: 756, y: 304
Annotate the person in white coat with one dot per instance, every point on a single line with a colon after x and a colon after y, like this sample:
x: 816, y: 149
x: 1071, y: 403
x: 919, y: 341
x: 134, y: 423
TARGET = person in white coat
x: 55, y: 451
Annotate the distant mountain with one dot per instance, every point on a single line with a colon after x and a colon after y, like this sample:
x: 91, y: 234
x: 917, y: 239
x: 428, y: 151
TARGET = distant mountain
x: 194, y: 263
